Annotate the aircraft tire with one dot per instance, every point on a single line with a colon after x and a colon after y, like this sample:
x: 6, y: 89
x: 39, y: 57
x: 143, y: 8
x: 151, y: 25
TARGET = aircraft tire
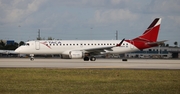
x: 93, y: 59
x: 86, y: 58
x: 124, y: 59
x: 31, y: 59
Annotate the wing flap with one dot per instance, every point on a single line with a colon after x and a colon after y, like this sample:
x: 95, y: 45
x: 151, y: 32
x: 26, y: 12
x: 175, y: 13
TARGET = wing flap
x: 99, y: 49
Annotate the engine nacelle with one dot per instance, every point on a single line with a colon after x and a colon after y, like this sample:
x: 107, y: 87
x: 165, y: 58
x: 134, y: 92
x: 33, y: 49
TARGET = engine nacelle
x: 75, y: 54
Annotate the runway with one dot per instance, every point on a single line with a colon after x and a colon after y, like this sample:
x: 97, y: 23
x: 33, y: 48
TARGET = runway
x: 99, y: 63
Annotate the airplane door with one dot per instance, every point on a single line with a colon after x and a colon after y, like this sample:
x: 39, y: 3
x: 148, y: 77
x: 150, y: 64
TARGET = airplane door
x: 37, y: 45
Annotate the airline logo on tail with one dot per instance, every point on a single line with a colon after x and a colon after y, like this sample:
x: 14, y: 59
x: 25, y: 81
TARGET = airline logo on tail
x: 152, y: 31
x: 149, y: 37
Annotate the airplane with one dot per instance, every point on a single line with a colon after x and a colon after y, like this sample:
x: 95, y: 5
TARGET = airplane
x: 87, y: 49
x: 7, y: 52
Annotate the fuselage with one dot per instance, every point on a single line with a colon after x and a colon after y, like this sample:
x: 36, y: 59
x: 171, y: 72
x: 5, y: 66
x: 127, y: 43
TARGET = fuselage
x: 64, y: 46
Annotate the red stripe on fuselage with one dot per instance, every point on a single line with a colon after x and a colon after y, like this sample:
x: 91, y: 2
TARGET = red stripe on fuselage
x: 140, y: 44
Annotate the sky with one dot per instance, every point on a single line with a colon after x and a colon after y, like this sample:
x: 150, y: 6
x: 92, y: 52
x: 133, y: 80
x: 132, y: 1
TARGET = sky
x: 20, y: 20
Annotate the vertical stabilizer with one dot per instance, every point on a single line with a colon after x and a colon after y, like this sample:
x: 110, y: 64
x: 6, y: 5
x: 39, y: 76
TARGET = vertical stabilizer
x: 151, y: 33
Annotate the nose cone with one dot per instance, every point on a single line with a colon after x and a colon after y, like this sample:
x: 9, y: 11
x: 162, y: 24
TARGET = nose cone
x: 17, y: 50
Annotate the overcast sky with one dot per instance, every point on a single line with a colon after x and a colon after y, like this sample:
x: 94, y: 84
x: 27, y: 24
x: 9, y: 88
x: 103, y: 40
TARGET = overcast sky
x: 87, y: 19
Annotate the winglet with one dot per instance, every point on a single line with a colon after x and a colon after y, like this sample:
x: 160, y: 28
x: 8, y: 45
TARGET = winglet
x: 120, y: 42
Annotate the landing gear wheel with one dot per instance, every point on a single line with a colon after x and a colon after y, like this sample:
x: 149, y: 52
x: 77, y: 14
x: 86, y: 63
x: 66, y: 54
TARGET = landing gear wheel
x: 124, y: 59
x: 31, y: 58
x: 86, y: 58
x: 93, y: 59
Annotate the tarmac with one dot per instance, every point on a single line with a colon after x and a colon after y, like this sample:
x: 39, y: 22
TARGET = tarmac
x: 99, y: 63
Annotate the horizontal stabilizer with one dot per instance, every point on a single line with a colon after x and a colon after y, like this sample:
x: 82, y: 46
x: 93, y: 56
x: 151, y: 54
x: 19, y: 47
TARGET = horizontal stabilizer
x: 156, y: 43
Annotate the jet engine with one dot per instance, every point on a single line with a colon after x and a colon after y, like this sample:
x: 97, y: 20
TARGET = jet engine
x: 75, y: 54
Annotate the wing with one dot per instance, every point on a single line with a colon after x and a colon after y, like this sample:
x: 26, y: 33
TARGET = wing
x: 99, y: 49
x: 102, y: 49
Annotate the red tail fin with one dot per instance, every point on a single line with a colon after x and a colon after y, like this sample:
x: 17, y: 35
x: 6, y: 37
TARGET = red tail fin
x: 151, y: 33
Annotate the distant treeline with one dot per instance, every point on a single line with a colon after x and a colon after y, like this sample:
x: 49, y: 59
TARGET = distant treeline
x: 13, y: 46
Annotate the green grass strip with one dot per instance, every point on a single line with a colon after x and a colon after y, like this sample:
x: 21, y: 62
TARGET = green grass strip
x: 88, y: 81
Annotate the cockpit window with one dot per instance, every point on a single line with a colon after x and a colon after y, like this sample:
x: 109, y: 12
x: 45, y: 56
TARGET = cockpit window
x: 27, y: 44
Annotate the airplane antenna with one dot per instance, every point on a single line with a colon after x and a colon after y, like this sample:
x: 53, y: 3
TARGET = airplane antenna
x: 39, y: 37
x: 116, y: 35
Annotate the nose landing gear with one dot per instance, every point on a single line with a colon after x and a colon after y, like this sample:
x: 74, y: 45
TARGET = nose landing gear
x: 31, y: 57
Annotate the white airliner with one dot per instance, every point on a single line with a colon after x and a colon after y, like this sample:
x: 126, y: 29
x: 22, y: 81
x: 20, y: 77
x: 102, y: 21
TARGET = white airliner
x: 86, y: 49
x: 7, y: 52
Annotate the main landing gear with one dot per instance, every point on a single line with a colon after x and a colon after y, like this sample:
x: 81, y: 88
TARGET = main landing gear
x: 124, y: 59
x: 31, y: 57
x: 87, y: 58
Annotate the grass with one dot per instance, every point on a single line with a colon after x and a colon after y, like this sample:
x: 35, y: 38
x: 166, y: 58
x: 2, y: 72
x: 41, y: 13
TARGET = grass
x: 88, y: 81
